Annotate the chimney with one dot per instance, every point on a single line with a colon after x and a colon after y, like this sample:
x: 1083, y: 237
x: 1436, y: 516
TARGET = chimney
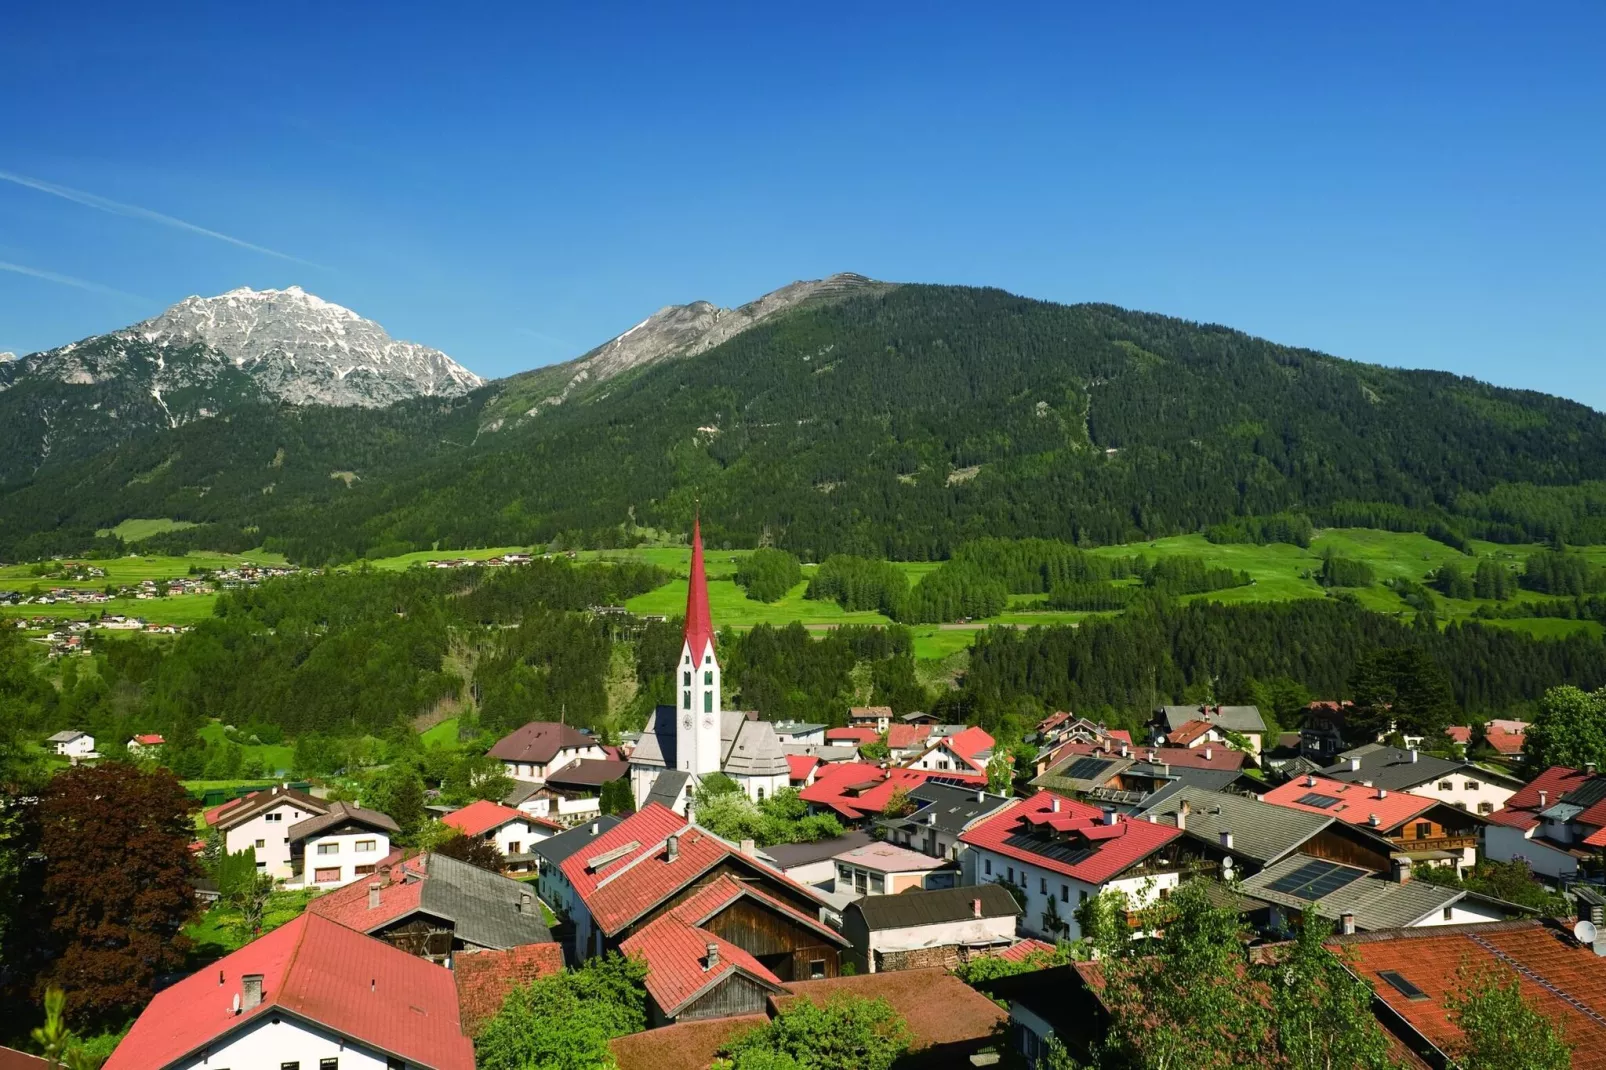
x: 712, y: 961
x: 1109, y: 815
x: 1123, y: 750
x: 749, y: 848
x: 1400, y: 870
x: 1589, y: 768
x: 1412, y: 753
x: 1054, y: 804
x: 1151, y: 754
x: 252, y: 991
x: 1226, y: 839
x: 373, y: 895
x: 1182, y: 817
x: 1382, y: 793
x: 524, y: 903
x: 1543, y: 797
x: 1373, y: 821
x: 1310, y: 781
x: 1346, y: 922
x: 1209, y: 752
x: 1355, y: 765
x: 975, y: 907
x: 596, y: 828
x: 672, y: 846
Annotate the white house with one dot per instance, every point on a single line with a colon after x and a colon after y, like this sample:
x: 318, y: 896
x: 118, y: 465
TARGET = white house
x: 514, y: 832
x: 698, y: 736
x: 1555, y: 821
x: 263, y: 821
x: 310, y: 994
x: 144, y: 745
x: 74, y: 745
x: 1459, y: 783
x: 338, y: 847
x: 541, y: 748
x: 967, y: 751
x: 929, y: 928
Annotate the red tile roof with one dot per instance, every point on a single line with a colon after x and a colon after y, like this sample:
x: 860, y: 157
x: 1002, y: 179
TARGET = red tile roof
x: 1506, y: 736
x: 799, y: 766
x: 699, y: 633
x: 211, y: 816
x: 485, y: 977
x: 1219, y: 756
x: 1114, y: 848
x: 1188, y: 731
x: 149, y: 740
x: 398, y: 898
x: 868, y: 713
x: 1522, y: 809
x: 689, y: 1045
x: 1120, y: 735
x: 856, y: 789
x: 481, y: 817
x: 1356, y: 804
x: 1019, y: 952
x: 344, y: 981
x: 857, y: 736
x: 1459, y: 733
x: 969, y: 743
x: 941, y: 1010
x: 907, y: 736
x: 538, y: 742
x: 637, y: 834
x: 1431, y: 959
x: 677, y: 962
x: 11, y: 1059
x: 711, y: 900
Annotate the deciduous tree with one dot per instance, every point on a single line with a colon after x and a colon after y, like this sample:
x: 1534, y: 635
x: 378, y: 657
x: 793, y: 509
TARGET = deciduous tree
x: 564, y: 1022
x: 845, y: 1033
x: 1500, y: 1030
x: 1570, y: 729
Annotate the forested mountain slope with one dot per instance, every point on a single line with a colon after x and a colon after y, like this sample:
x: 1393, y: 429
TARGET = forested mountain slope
x: 897, y: 422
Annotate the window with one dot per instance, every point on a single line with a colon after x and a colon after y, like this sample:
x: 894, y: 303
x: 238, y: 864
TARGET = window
x: 1065, y: 893
x: 275, y: 817
x: 708, y: 678
x: 986, y: 866
x: 328, y: 1064
x: 328, y: 848
x: 685, y: 679
x: 1084, y: 896
x: 395, y: 1064
x: 326, y: 876
x: 290, y: 1066
x: 1012, y: 874
x: 878, y: 884
x: 262, y: 843
x: 708, y: 660
x: 760, y: 794
x: 363, y: 871
x: 1446, y: 785
x: 262, y: 864
x: 816, y: 969
x: 1042, y: 885
x: 1470, y: 785
x: 1449, y: 913
x: 844, y: 873
x: 1424, y: 830
x: 513, y: 847
x: 364, y: 846
x: 708, y: 702
x: 1486, y: 808
x: 685, y: 700
x: 860, y: 885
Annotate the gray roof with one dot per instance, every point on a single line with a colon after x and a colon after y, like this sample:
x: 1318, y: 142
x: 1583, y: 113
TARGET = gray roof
x: 747, y: 747
x: 341, y: 814
x: 522, y: 790
x: 1261, y: 831
x: 1376, y: 902
x: 934, y: 907
x: 787, y: 855
x: 1394, y: 769
x: 1232, y: 718
x: 798, y: 728
x: 823, y: 751
x: 482, y: 906
x: 555, y: 849
x: 947, y: 808
x: 64, y: 737
x: 667, y: 786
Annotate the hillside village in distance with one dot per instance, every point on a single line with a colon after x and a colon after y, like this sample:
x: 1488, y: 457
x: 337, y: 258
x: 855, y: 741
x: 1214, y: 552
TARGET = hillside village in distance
x: 968, y: 889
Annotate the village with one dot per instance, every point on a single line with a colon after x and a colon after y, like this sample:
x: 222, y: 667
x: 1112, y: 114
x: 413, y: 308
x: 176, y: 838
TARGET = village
x: 971, y: 896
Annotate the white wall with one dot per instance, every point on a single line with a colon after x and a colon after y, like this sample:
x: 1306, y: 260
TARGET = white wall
x: 346, y: 855
x: 1458, y: 794
x: 1462, y: 913
x: 261, y: 1045
x: 1068, y: 892
x: 821, y: 872
x: 969, y: 931
x: 752, y: 786
x: 1503, y: 843
x: 537, y: 772
x: 568, y: 811
x: 520, y: 833
x: 272, y: 827
x: 82, y: 747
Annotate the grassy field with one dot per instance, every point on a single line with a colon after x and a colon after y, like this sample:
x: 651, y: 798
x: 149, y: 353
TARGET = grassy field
x: 178, y: 610
x: 133, y: 530
x: 216, y: 933
x: 275, y: 757
x: 134, y: 568
x: 441, y: 735
x: 401, y: 561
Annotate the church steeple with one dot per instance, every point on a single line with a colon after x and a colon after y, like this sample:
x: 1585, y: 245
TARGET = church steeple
x: 697, y: 727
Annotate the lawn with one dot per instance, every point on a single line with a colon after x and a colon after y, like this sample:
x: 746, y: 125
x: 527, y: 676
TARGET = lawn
x: 275, y: 758
x: 215, y: 932
x: 421, y: 557
x: 134, y: 568
x: 1551, y: 627
x: 133, y: 530
x: 442, y: 735
x: 183, y: 609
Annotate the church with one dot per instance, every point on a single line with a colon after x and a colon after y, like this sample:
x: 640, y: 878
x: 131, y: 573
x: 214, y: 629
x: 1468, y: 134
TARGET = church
x: 686, y: 743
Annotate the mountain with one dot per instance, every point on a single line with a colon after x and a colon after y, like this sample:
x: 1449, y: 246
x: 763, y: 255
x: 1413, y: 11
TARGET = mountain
x: 673, y: 331
x: 200, y: 357
x: 885, y: 420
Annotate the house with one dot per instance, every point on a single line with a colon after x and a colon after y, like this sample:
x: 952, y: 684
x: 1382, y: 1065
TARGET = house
x: 967, y: 752
x: 309, y: 993
x: 943, y: 811
x: 881, y: 868
x: 695, y: 973
x: 799, y: 733
x: 435, y: 907
x: 1322, y: 731
x: 337, y: 847
x: 541, y: 748
x: 484, y: 978
x: 876, y: 717
x: 699, y: 736
x: 1413, y: 971
x: 814, y: 863
x: 1251, y: 834
x: 823, y: 753
x: 262, y: 820
x: 513, y: 832
x: 73, y: 745
x: 1506, y: 738
x: 906, y: 741
x: 800, y: 769
x: 1556, y: 822
x: 1461, y: 736
x: 574, y: 793
x: 1059, y: 1003
x: 1217, y: 722
x: 1459, y: 783
x: 550, y: 854
x: 1128, y: 776
x: 144, y: 745
x: 858, y: 791
x: 1059, y: 853
x: 852, y: 736
x: 944, y: 927
x: 653, y: 861
x: 950, y: 1023
x: 1358, y: 900
x: 1423, y: 828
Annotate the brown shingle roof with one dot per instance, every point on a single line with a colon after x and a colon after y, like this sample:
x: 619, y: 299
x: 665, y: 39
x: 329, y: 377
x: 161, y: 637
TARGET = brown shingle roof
x: 538, y: 741
x: 485, y: 977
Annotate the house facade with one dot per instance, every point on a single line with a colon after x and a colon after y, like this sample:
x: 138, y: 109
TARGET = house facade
x: 1200, y: 721
x: 338, y: 847
x: 1557, y: 823
x: 263, y: 821
x: 1460, y: 783
x: 1422, y: 828
x: 540, y: 748
x: 929, y: 928
x: 73, y: 745
x: 513, y: 832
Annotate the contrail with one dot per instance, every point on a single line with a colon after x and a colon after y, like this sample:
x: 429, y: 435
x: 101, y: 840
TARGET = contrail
x: 133, y: 211
x: 68, y: 280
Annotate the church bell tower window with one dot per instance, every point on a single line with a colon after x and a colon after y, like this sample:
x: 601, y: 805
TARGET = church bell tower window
x: 685, y: 700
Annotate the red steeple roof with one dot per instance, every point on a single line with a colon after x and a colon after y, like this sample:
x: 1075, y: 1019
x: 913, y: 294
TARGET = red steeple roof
x: 699, y: 622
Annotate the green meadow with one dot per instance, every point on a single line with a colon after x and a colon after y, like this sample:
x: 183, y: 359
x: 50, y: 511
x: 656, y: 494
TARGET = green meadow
x: 133, y: 530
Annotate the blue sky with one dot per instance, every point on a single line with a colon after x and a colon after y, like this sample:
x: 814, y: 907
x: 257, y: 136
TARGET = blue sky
x: 1413, y: 184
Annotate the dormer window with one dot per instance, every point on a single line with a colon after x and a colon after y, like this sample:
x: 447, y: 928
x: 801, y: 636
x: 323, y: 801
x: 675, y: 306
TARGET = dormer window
x: 708, y: 659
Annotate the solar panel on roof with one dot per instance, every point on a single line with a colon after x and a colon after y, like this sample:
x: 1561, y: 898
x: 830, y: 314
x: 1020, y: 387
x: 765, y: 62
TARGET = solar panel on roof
x: 1086, y: 768
x: 1315, y: 879
x: 1588, y: 794
x: 1315, y: 799
x: 1401, y: 985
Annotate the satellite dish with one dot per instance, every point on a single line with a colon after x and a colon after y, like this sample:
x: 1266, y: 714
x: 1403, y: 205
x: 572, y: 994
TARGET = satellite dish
x: 236, y: 1007
x: 1585, y: 932
x: 1226, y: 864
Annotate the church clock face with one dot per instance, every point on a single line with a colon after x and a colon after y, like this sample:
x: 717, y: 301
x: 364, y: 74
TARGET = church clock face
x: 685, y: 722
x: 708, y: 721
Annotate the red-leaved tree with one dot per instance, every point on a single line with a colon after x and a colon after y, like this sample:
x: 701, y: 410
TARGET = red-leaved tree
x: 117, y: 886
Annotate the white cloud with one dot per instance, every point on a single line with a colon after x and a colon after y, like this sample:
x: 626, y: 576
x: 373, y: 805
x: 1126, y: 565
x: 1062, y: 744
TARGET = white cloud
x: 68, y: 280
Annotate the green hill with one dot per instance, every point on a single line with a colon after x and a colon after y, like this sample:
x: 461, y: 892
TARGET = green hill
x: 894, y: 422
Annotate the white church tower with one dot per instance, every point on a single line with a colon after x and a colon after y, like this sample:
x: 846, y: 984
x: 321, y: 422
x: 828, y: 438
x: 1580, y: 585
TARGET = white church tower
x: 697, y: 744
